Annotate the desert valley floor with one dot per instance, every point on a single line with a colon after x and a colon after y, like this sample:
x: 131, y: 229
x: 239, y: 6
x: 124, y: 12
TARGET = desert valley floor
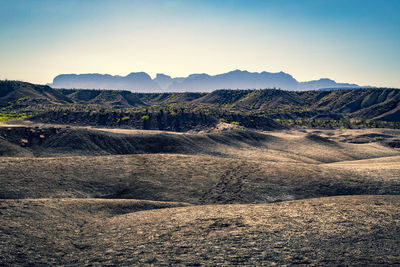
x: 222, y: 196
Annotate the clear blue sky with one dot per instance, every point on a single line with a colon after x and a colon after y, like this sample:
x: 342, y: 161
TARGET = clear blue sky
x: 346, y: 40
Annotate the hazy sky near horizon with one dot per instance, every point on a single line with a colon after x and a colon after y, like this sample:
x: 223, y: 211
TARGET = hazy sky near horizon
x: 347, y: 40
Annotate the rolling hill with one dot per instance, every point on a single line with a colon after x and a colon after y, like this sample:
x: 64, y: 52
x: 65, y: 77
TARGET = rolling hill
x: 184, y: 111
x: 15, y: 92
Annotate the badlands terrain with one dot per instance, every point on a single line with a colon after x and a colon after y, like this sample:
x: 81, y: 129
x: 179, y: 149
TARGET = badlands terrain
x: 223, y: 195
x: 230, y: 177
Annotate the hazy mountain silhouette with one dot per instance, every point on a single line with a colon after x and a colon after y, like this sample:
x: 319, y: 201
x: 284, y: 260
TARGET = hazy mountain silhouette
x: 135, y: 81
x: 324, y: 83
x: 237, y: 79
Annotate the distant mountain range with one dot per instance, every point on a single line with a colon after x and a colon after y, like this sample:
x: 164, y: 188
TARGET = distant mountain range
x: 237, y: 79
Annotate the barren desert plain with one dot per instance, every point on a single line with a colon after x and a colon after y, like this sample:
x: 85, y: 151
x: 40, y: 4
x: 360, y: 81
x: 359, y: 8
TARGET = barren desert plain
x: 226, y: 195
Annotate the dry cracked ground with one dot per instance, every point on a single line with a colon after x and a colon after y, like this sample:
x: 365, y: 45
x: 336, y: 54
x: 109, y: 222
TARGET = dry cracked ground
x: 84, y: 196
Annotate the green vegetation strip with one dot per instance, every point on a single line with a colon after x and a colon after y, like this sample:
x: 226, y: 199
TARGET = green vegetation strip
x: 13, y: 116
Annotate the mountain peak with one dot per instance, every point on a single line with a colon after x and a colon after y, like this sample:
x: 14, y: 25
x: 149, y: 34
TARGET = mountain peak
x: 162, y: 76
x: 238, y: 71
x: 139, y: 75
x: 326, y: 79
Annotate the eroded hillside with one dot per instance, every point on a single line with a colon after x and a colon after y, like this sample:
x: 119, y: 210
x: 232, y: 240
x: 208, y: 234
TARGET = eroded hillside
x: 268, y: 109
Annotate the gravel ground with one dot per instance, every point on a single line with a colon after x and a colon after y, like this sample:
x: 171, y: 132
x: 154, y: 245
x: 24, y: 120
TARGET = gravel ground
x: 348, y: 230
